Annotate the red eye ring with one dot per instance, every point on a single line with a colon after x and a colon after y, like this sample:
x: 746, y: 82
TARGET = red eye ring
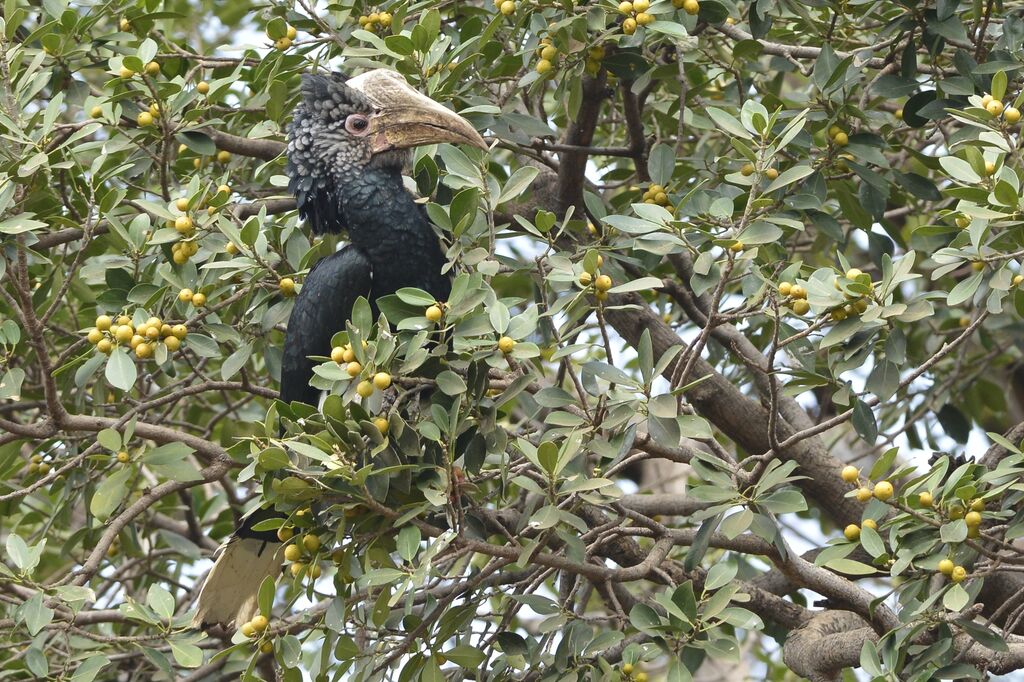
x: 357, y: 124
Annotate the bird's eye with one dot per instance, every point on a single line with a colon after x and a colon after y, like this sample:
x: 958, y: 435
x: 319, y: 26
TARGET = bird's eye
x: 357, y: 124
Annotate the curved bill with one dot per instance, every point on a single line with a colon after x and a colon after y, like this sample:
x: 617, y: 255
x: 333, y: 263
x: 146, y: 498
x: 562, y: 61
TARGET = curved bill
x: 406, y: 118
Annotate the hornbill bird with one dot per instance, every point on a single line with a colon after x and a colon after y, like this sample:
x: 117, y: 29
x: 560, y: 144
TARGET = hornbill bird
x: 347, y: 145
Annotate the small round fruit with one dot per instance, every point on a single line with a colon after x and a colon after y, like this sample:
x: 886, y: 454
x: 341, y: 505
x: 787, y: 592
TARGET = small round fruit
x: 181, y: 204
x: 995, y: 107
x: 259, y: 623
x: 172, y: 343
x: 963, y: 221
x: 990, y: 168
x: 433, y: 313
x: 643, y: 18
x: 771, y: 173
x: 898, y: 114
x: 736, y: 247
x: 230, y: 249
x: 834, y: 130
x: 507, y: 7
x: 337, y: 354
x: 626, y: 7
x: 946, y: 567
x: 311, y: 543
x: 506, y: 344
x: 353, y: 369
x: 124, y: 333
x: 94, y: 336
x: 641, y: 5
x: 103, y: 322
x: 136, y: 340
x: 287, y: 286
x: 549, y: 52
x: 1011, y: 115
x: 266, y: 647
x: 183, y: 223
x: 925, y: 499
x: 282, y: 44
x: 105, y: 346
x: 640, y: 677
x: 292, y: 553
x: 972, y: 518
x: 586, y: 278
x: 543, y: 66
x: 365, y: 388
x: 144, y: 119
x: 247, y: 629
x: 381, y: 380
x: 978, y: 505
x: 199, y: 300
x: 978, y: 265
x: 854, y: 273
x: 143, y: 351
x: 627, y: 668
x: 297, y: 568
x: 285, y: 533
x: 385, y: 19
x: 382, y: 424
x: 691, y: 7
x: 603, y: 283
x: 839, y: 314
x: 870, y: 523
x: 203, y: 87
x: 223, y: 189
x: 884, y: 490
x: 852, y: 532
x: 860, y: 305
x: 841, y: 139
x: 801, y: 307
x: 958, y: 575
x: 96, y: 112
x: 152, y: 69
x: 629, y: 26
x: 125, y: 73
x: 179, y: 331
x: 785, y: 288
x: 123, y: 457
x: 956, y: 512
x: 290, y: 33
x: 223, y: 156
x: 798, y: 291
x: 314, y: 571
x: 864, y: 494
x: 850, y: 474
x: 185, y: 295
x: 747, y: 169
x: 348, y: 355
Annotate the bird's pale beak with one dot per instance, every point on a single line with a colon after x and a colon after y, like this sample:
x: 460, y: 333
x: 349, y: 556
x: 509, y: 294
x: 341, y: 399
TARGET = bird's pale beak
x: 406, y: 118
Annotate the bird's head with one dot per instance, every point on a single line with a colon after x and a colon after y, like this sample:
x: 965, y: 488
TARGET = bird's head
x: 344, y: 126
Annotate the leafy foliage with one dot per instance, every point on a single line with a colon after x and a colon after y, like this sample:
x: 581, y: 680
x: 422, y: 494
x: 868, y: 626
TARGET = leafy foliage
x: 716, y: 252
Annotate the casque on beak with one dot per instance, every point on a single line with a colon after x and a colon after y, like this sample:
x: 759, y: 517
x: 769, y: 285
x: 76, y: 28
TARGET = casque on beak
x: 406, y: 118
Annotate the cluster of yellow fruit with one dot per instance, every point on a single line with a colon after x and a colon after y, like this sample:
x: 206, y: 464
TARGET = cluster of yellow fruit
x: 691, y: 7
x: 109, y: 332
x: 284, y: 42
x: 628, y: 670
x: 748, y: 169
x: 601, y: 283
x: 506, y: 7
x: 197, y: 300
x: 995, y: 107
x: 839, y: 136
x: 151, y: 69
x: 655, y: 194
x: 296, y: 552
x: 594, y: 57
x: 37, y: 465
x: 183, y: 250
x: 797, y: 296
x: 371, y: 21
x: 852, y: 531
x: 857, y: 304
x: 148, y: 118
x: 255, y: 629
x: 450, y: 66
x: 636, y: 15
x: 223, y: 156
x: 548, y: 54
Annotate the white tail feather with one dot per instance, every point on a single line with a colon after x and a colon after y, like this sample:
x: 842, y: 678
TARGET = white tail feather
x: 232, y: 586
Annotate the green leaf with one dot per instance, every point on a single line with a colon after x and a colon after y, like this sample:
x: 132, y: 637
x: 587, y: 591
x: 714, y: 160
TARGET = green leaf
x: 450, y: 383
x: 408, y: 542
x: 36, y: 615
x: 121, y: 372
x: 110, y: 493
x: 956, y: 598
x: 660, y: 163
x: 161, y: 601
x: 465, y: 656
x: 110, y: 439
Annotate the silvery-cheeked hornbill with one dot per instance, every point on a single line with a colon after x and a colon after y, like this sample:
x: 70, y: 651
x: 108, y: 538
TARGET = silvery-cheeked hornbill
x: 347, y: 145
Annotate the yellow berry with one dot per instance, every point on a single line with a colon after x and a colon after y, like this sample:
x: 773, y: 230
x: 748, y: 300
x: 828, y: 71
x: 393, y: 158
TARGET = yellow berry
x: 126, y: 73
x: 603, y: 283
x: 747, y: 169
x: 990, y: 168
x: 223, y: 189
x: 506, y: 344
x: 691, y: 7
x: 144, y: 119
x: 173, y: 343
x: 183, y: 223
x: 627, y: 668
x: 629, y: 26
x: 385, y: 19
x: 736, y: 247
x: 348, y: 355
x: 103, y: 322
x: 283, y: 43
x: 925, y: 499
x: 152, y: 68
x: 143, y: 351
x: 96, y: 112
x: 985, y: 101
x: 381, y: 380
x: 771, y: 173
x: 978, y: 505
x: 287, y: 286
x: 549, y: 52
x: 978, y: 265
x: 850, y: 474
x: 870, y: 523
x: 797, y: 291
x: 586, y: 278
x: 507, y: 7
x: 433, y: 313
x: 179, y: 331
x: 643, y: 18
x: 883, y: 490
x: 94, y: 336
x: 972, y: 518
x: 297, y: 568
x: 959, y: 573
x: 1011, y: 115
x: 353, y: 368
x: 311, y: 543
x: 266, y: 647
x: 337, y: 354
x: 285, y: 533
x: 124, y: 24
x: 259, y: 623
x: 543, y: 66
x: 247, y: 629
x: 841, y: 139
x: 199, y: 300
x: 852, y: 532
x: 853, y: 273
x: 995, y: 107
x: 801, y: 307
x: 203, y: 87
x: 864, y: 494
x: 946, y: 567
x: 292, y: 553
x: 626, y: 7
x: 223, y: 156
x: 640, y: 677
x: 963, y: 221
x: 123, y: 457
x: 291, y: 33
x: 785, y: 288
x: 124, y: 333
x: 382, y: 424
x: 365, y: 388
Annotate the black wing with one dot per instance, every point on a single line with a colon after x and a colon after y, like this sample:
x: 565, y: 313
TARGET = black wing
x: 321, y: 310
